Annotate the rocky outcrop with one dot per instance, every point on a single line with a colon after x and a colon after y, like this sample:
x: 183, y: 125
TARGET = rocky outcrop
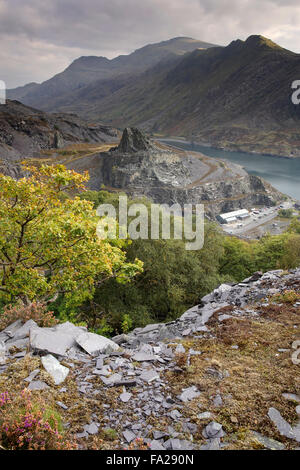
x: 26, y: 133
x: 144, y: 168
x: 133, y: 141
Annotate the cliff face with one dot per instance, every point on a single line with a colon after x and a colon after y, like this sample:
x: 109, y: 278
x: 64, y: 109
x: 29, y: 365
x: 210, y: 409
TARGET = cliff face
x: 144, y: 168
x: 26, y: 132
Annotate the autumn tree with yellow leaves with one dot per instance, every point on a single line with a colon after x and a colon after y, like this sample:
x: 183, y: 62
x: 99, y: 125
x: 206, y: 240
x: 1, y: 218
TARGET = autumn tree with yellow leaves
x: 48, y: 241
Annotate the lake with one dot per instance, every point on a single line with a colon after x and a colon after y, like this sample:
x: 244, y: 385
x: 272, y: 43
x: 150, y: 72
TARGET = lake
x: 282, y: 173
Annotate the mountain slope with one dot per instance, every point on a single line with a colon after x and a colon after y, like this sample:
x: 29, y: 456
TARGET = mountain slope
x: 237, y: 97
x: 86, y: 70
x: 27, y: 133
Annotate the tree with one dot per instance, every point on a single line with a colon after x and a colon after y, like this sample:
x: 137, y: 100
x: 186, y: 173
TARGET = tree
x: 48, y: 240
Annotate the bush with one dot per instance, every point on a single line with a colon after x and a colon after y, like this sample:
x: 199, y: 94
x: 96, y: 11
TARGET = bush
x: 36, y: 311
x: 27, y: 424
x: 287, y: 297
x: 286, y: 213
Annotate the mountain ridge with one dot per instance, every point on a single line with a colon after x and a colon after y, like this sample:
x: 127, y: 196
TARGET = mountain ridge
x: 87, y: 69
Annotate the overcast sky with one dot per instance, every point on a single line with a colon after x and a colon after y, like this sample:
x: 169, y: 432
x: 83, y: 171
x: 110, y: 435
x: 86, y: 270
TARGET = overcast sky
x: 40, y: 38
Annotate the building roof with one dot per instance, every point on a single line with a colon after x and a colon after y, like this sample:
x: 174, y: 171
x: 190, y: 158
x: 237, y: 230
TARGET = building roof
x: 239, y: 213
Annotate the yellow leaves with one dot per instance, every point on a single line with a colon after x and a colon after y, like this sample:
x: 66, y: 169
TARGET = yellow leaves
x: 52, y: 239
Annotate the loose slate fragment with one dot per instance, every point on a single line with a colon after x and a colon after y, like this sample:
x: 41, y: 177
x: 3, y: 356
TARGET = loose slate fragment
x: 284, y: 428
x: 113, y: 379
x: 32, y: 375
x: 180, y: 349
x: 2, y: 353
x: 267, y: 442
x: 37, y: 385
x: 10, y: 330
x: 129, y: 436
x: 291, y: 397
x: 125, y: 397
x: 91, y: 428
x: 51, y: 342
x: 62, y: 405
x: 149, y: 376
x: 155, y: 445
x: 95, y: 344
x: 189, y: 394
x: 213, y: 430
x: 58, y: 372
x: 143, y: 357
x: 23, y: 332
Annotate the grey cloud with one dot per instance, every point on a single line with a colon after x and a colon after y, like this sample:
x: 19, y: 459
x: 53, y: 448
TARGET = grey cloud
x: 39, y: 39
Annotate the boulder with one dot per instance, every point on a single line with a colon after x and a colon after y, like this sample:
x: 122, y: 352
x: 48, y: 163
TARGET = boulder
x: 50, y: 342
x: 24, y: 331
x: 58, y: 372
x: 95, y: 344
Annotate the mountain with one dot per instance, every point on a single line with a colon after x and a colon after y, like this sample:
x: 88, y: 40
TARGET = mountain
x: 237, y: 97
x: 20, y: 92
x: 50, y: 94
x: 29, y: 133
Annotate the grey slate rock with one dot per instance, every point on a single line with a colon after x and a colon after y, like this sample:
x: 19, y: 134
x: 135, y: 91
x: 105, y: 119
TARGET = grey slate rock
x: 175, y: 414
x: 291, y: 397
x: 95, y: 344
x: 204, y: 415
x: 125, y: 397
x: 18, y: 344
x: 50, y: 342
x: 91, y: 428
x: 149, y: 376
x: 32, y: 375
x: 213, y: 430
x: 113, y: 379
x: 212, y: 444
x: 2, y: 353
x: 143, y: 357
x: 189, y: 394
x: 37, y: 385
x: 159, y: 434
x: 11, y: 330
x: 268, y: 443
x: 283, y: 427
x: 62, y: 405
x: 58, y: 372
x: 155, y: 445
x: 129, y: 436
x: 24, y: 331
x: 218, y: 401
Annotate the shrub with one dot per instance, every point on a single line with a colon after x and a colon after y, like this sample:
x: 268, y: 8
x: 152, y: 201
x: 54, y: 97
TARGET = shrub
x: 27, y: 424
x: 36, y: 311
x: 287, y: 297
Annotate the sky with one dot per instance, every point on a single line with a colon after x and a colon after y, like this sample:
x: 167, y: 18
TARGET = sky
x: 40, y: 38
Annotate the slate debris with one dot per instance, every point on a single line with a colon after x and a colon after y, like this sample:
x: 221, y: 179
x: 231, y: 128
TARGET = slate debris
x: 138, y: 367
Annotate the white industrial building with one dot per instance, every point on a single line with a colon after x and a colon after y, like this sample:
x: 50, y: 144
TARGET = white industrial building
x: 230, y: 217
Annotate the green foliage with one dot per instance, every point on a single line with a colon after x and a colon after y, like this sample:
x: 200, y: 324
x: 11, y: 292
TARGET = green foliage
x: 286, y: 213
x: 57, y: 253
x: 48, y: 243
x: 126, y: 323
x: 175, y: 279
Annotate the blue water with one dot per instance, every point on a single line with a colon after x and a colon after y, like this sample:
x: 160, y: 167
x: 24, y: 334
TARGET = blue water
x: 282, y: 173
